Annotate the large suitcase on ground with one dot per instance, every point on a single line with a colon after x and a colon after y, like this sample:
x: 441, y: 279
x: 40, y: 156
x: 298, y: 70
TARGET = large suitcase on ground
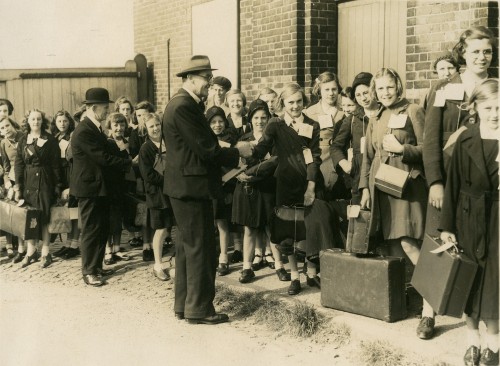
x: 23, y: 222
x: 444, y: 279
x: 372, y: 286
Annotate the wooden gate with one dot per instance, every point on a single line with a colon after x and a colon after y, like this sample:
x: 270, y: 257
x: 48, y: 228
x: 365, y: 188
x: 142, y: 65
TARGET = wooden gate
x: 51, y: 90
x: 372, y: 35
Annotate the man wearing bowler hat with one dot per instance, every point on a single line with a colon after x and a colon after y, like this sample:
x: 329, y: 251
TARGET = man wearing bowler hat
x: 192, y: 180
x: 91, y: 159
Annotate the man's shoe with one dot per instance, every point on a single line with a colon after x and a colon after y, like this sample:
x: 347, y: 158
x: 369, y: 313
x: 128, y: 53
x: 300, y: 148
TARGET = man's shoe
x: 104, y: 272
x: 472, y: 355
x: 246, y: 276
x: 425, y: 329
x: 93, y: 280
x: 46, y: 261
x: 210, y: 320
x: 294, y: 288
x: 162, y: 275
x: 179, y: 315
x: 60, y: 252
x: 283, y: 275
x: 488, y: 357
x: 71, y: 253
x: 222, y: 269
x: 314, y: 281
x: 236, y: 257
x: 148, y: 255
x: 19, y: 257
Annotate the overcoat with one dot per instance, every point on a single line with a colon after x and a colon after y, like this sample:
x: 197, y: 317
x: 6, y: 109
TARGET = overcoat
x: 470, y: 211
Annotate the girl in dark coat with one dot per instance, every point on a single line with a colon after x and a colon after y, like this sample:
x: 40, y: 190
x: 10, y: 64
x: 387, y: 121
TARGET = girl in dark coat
x: 61, y: 127
x: 38, y: 178
x: 470, y: 217
x: 161, y: 217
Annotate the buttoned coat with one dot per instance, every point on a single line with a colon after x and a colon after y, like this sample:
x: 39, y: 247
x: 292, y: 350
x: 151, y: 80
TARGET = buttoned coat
x: 193, y: 168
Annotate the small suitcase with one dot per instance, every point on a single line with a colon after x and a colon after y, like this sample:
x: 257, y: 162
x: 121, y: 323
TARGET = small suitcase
x: 371, y: 286
x: 23, y: 222
x: 358, y: 236
x: 444, y: 279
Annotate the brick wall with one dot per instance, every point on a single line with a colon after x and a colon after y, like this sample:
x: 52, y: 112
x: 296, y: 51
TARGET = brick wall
x: 433, y: 28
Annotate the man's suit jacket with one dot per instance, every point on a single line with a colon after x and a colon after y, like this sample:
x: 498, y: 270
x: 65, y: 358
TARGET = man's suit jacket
x: 91, y: 157
x: 194, y: 156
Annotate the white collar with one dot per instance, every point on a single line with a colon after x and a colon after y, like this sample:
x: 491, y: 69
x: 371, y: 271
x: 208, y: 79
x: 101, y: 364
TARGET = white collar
x: 195, y: 97
x: 30, y: 138
x: 289, y: 120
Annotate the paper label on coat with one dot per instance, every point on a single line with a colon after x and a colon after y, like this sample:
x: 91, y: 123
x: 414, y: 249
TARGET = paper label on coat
x: 353, y: 211
x: 224, y: 144
x: 308, y: 157
x: 397, y: 121
x: 440, y: 98
x: 362, y: 143
x: 454, y: 91
x: 73, y: 213
x: 325, y: 121
x: 63, y: 145
x: 40, y: 142
x: 349, y: 154
x: 305, y: 130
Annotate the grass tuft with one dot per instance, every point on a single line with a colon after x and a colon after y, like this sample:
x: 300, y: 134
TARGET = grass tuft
x: 382, y: 353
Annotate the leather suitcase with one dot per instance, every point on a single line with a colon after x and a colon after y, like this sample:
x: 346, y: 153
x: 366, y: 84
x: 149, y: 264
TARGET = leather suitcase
x: 444, y: 279
x: 23, y: 222
x: 358, y: 237
x: 372, y: 286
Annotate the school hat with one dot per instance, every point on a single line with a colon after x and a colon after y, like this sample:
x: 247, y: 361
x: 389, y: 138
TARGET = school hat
x: 97, y: 96
x: 215, y: 111
x: 257, y: 105
x: 194, y: 64
x: 222, y: 81
x: 363, y: 78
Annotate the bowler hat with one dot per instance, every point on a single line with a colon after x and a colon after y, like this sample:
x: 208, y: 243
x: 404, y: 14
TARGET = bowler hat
x: 97, y: 96
x: 194, y: 64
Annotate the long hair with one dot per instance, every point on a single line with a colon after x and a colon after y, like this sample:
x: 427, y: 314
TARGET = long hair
x: 53, y: 127
x: 45, y: 120
x: 393, y: 75
x: 142, y: 129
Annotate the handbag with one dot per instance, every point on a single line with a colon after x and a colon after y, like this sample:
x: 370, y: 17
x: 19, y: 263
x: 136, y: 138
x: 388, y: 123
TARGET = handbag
x: 358, y: 236
x: 287, y: 225
x: 391, y: 180
x: 60, y: 221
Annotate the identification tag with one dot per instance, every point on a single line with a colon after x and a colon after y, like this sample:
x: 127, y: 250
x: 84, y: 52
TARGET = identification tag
x: 397, y: 121
x: 305, y: 130
x: 224, y: 144
x: 353, y: 211
x: 440, y: 98
x: 307, y: 156
x: 325, y: 121
x: 454, y: 91
x: 362, y: 146
x: 349, y: 154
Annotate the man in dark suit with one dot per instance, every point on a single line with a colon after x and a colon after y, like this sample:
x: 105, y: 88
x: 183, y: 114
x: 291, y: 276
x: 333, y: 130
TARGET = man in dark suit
x: 192, y: 180
x: 88, y: 183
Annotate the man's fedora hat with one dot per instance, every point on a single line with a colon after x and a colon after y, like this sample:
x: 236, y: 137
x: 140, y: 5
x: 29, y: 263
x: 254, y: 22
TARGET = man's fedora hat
x: 97, y: 96
x: 196, y: 63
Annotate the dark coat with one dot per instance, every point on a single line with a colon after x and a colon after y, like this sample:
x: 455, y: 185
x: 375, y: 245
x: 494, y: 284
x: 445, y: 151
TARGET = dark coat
x: 91, y: 157
x: 153, y: 181
x: 440, y: 123
x: 470, y: 211
x: 193, y: 168
x: 65, y: 164
x: 38, y: 172
x: 240, y: 131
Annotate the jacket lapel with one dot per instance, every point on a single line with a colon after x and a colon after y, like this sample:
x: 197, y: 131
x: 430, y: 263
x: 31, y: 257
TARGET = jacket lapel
x: 474, y: 148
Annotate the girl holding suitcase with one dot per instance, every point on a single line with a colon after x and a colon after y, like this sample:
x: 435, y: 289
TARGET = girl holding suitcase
x: 470, y: 217
x: 394, y: 138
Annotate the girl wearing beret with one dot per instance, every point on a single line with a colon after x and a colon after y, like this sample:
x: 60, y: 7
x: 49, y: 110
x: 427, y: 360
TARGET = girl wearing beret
x: 220, y: 85
x: 161, y: 217
x: 38, y: 179
x: 469, y: 217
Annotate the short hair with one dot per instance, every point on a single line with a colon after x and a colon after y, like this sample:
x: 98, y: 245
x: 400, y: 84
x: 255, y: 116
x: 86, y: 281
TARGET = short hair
x: 486, y: 90
x: 289, y: 90
x: 115, y: 117
x: 265, y: 91
x: 53, y: 127
x: 236, y: 92
x: 12, y: 122
x: 448, y: 58
x: 393, y: 75
x: 145, y: 105
x: 122, y: 100
x: 9, y: 105
x: 478, y: 32
x: 346, y: 93
x: 323, y: 78
x: 45, y: 120
x: 142, y: 129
